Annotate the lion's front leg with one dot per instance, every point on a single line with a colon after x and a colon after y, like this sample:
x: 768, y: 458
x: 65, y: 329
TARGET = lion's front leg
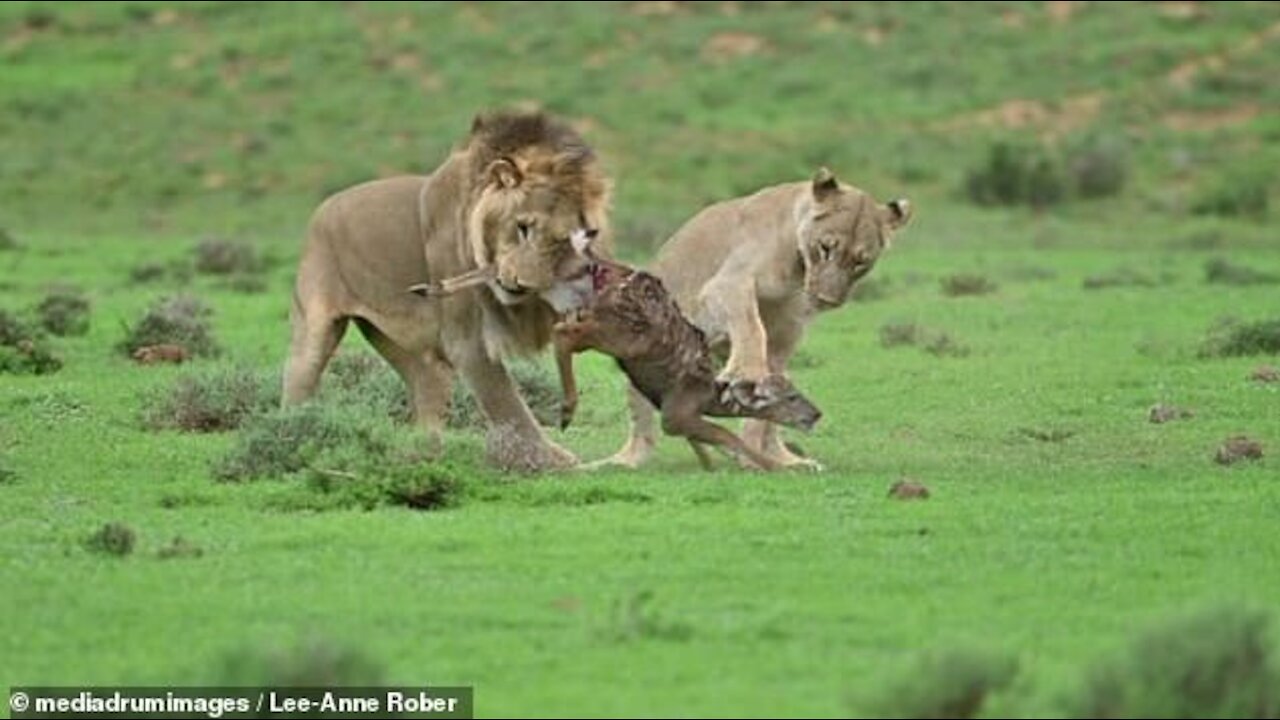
x: 732, y: 305
x: 785, y: 331
x: 514, y: 440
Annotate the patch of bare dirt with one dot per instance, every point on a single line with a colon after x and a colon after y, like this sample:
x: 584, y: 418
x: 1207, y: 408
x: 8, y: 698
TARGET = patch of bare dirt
x: 727, y: 46
x: 1060, y: 118
x: 1185, y: 72
x: 1199, y: 121
x: 656, y: 8
x: 1061, y: 11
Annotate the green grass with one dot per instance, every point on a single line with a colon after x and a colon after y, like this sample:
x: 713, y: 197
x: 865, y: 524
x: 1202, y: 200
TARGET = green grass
x: 1061, y: 522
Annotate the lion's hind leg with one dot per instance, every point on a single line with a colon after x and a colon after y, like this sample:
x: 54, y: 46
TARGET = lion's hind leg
x: 315, y: 337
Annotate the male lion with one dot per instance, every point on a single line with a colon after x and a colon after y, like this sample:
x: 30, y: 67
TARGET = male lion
x: 509, y: 197
x: 751, y: 273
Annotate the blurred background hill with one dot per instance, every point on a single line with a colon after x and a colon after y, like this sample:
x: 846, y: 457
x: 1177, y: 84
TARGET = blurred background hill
x: 180, y: 119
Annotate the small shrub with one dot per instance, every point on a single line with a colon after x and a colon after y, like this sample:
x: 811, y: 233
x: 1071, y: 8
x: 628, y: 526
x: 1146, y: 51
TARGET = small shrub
x: 179, y: 320
x: 7, y: 473
x: 112, y: 539
x: 954, y: 683
x: 14, y: 329
x: 7, y: 240
x: 1216, y: 663
x: 1235, y: 195
x: 314, y: 664
x: 215, y: 256
x: 1223, y: 272
x: 64, y: 311
x: 1233, y: 338
x: 23, y: 350
x: 1098, y: 166
x: 212, y: 400
x: 365, y: 379
x: 1017, y: 174
x: 964, y: 284
x: 392, y: 481
x: 28, y: 357
x: 285, y: 441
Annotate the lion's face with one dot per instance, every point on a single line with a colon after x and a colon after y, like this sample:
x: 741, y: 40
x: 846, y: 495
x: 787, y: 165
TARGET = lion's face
x: 842, y: 237
x: 524, y: 221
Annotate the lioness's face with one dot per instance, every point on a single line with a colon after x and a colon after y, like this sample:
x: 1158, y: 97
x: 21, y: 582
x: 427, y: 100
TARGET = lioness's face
x: 527, y: 223
x: 842, y: 237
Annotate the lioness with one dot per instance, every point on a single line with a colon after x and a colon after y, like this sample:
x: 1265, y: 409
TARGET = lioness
x: 509, y: 197
x: 751, y: 273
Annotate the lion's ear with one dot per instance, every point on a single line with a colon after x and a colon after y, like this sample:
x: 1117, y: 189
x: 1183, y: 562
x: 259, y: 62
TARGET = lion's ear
x: 898, y: 212
x: 824, y: 183
x: 503, y: 173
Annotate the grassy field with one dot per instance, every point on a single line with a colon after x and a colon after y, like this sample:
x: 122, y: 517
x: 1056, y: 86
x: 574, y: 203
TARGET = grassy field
x: 1062, y: 524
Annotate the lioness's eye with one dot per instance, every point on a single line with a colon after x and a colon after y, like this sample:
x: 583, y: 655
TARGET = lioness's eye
x: 523, y: 229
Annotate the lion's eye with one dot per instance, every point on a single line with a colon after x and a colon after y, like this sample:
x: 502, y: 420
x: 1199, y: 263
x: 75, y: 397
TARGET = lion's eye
x: 523, y: 230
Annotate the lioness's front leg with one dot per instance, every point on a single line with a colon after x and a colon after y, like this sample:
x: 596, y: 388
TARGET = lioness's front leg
x: 515, y: 442
x: 730, y: 303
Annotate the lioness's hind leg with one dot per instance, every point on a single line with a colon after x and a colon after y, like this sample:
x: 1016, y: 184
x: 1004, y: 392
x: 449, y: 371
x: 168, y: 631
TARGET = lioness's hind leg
x: 313, y: 342
x: 428, y: 379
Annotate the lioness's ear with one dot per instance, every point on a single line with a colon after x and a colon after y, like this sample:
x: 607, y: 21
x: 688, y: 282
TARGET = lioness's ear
x: 899, y: 212
x: 503, y: 173
x: 824, y: 183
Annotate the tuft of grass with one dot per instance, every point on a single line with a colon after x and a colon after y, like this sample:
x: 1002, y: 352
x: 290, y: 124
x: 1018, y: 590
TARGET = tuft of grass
x: 317, y: 663
x: 175, y: 271
x: 211, y: 400
x: 966, y: 284
x: 637, y: 617
x: 870, y: 290
x: 64, y: 311
x: 178, y: 320
x: 1217, y: 663
x: 7, y: 473
x: 1234, y: 338
x: 938, y: 343
x: 217, y: 256
x: 8, y: 241
x: 364, y: 379
x: 1120, y: 277
x: 112, y: 539
x: 179, y: 547
x: 1221, y: 271
x: 951, y: 683
x: 898, y: 333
